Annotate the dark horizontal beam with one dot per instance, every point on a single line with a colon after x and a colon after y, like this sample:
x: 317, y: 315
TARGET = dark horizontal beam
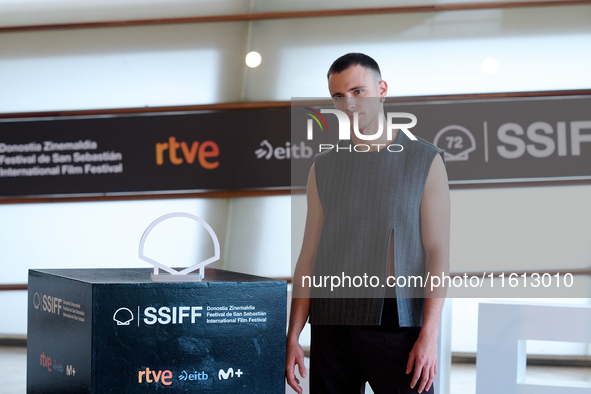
x: 12, y: 287
x: 13, y: 340
x: 142, y: 110
x: 532, y: 359
x: 281, y: 104
x: 257, y: 16
x: 152, y: 196
x: 505, y: 185
x: 260, y: 193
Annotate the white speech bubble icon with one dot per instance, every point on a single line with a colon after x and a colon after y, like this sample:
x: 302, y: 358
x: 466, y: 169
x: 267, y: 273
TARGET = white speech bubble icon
x: 172, y: 274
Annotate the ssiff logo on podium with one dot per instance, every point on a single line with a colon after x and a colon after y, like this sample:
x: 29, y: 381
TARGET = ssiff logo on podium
x: 163, y: 315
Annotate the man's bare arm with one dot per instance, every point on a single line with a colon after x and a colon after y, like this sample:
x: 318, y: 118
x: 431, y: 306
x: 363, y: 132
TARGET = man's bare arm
x: 435, y: 225
x: 300, y: 302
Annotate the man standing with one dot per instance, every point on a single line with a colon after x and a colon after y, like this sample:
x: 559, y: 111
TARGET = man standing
x: 377, y: 210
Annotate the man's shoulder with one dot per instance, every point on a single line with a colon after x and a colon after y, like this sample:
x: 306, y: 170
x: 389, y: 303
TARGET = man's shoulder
x: 421, y: 143
x: 325, y: 154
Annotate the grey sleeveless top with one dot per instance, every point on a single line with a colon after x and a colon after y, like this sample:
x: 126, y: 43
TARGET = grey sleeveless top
x: 366, y: 197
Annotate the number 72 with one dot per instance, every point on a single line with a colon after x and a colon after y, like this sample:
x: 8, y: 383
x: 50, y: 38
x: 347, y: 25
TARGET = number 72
x: 454, y: 141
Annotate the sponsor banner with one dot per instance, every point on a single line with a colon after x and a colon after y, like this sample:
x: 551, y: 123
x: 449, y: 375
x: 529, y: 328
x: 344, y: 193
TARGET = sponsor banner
x: 486, y: 141
x: 137, y: 154
x: 106, y: 330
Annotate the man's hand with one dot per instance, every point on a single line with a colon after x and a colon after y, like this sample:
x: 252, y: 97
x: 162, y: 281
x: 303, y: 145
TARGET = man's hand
x: 295, y: 355
x: 300, y: 301
x: 423, y: 357
x: 435, y: 236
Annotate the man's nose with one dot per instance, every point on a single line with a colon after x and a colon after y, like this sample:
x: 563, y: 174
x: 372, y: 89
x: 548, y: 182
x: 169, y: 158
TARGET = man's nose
x: 350, y: 103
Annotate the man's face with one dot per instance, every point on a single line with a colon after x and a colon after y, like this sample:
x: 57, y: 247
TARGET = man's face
x: 359, y: 89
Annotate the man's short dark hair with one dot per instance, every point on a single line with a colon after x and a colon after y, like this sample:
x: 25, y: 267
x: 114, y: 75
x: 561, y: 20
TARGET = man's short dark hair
x: 353, y: 59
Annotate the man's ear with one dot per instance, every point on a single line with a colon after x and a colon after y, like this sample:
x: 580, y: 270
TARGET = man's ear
x: 383, y: 88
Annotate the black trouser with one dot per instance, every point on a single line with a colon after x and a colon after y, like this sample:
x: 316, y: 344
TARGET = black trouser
x: 344, y: 358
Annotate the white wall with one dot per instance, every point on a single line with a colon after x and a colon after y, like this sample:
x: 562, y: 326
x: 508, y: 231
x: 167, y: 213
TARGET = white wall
x: 96, y: 235
x: 259, y: 238
x: 428, y: 53
x: 121, y: 67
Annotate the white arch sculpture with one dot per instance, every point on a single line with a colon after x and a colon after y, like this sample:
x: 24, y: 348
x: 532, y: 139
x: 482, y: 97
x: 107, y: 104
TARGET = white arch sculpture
x: 183, y: 275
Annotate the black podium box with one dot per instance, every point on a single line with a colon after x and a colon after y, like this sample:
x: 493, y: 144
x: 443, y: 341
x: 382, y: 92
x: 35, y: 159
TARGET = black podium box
x: 115, y: 331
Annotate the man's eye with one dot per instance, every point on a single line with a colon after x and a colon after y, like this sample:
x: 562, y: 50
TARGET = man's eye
x: 358, y: 91
x: 337, y: 98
